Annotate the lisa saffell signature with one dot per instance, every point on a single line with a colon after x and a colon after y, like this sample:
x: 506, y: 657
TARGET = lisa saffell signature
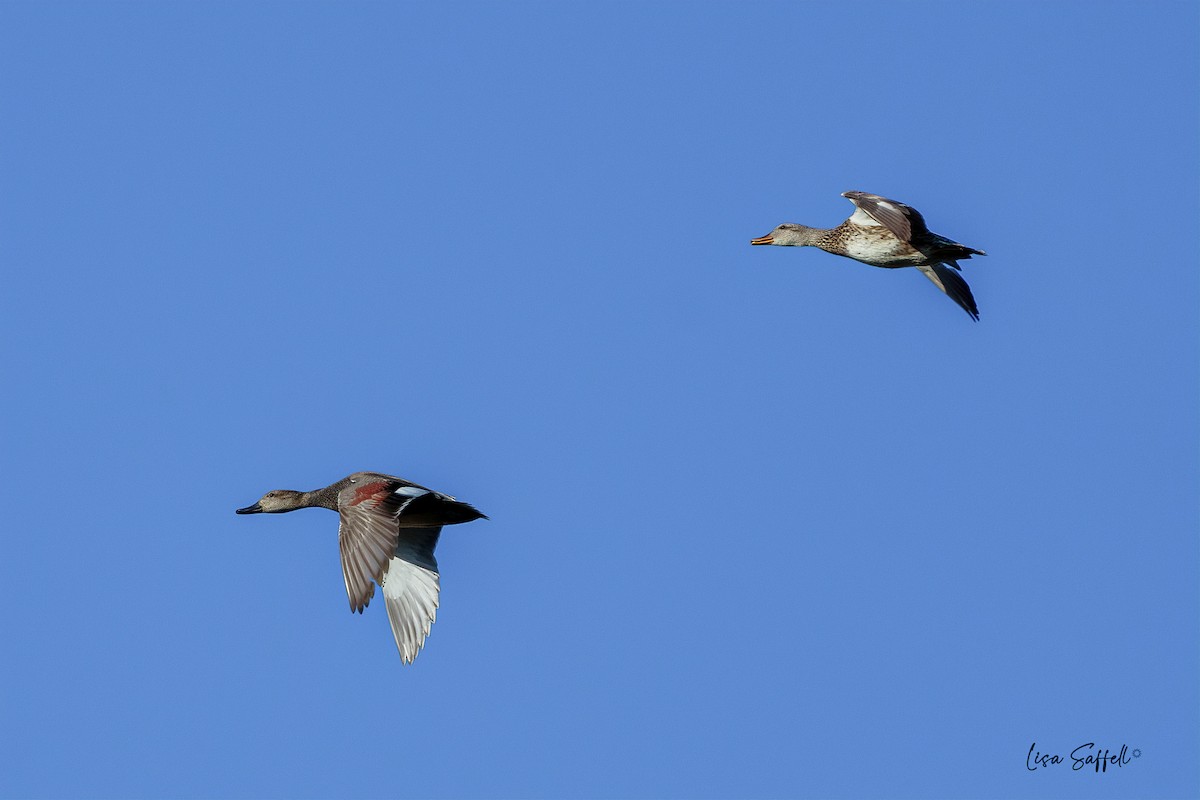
x: 1086, y: 756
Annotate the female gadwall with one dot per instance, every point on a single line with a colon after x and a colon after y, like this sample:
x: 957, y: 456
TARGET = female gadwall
x: 389, y: 527
x: 884, y: 233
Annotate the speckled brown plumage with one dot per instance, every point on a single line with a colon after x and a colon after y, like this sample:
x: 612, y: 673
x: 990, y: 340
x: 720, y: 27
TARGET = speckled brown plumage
x: 888, y: 234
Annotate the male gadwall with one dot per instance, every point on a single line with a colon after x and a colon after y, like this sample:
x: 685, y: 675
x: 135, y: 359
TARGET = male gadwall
x: 389, y: 527
x: 885, y: 233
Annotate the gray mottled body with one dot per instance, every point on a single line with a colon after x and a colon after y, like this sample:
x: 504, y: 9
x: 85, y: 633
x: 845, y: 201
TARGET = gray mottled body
x: 389, y: 529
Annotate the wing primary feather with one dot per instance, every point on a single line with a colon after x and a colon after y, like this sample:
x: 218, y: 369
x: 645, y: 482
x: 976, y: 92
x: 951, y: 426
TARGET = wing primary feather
x: 954, y: 287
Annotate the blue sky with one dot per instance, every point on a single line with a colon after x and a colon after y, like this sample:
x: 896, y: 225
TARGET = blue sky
x: 764, y: 522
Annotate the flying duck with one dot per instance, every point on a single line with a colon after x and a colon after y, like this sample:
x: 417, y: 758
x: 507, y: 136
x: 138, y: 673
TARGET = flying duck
x: 389, y: 527
x: 889, y: 234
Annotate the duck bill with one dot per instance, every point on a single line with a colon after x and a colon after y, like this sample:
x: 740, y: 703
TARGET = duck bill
x: 768, y: 239
x: 254, y: 509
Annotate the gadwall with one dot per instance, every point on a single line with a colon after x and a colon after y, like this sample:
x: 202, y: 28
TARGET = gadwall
x: 389, y: 527
x: 885, y: 233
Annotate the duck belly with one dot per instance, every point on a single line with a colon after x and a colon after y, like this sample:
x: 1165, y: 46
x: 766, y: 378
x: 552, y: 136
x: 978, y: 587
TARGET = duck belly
x: 887, y: 253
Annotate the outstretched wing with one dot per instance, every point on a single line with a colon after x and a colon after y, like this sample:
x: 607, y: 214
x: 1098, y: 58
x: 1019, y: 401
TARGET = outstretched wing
x: 903, y: 221
x: 410, y: 589
x: 953, y: 285
x: 369, y: 530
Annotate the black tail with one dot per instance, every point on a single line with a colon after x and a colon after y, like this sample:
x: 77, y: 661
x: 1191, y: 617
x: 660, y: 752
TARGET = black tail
x: 433, y: 509
x: 955, y: 251
x: 942, y: 249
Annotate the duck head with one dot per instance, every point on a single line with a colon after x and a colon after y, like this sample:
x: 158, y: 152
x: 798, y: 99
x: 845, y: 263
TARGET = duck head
x: 789, y: 234
x: 275, y: 502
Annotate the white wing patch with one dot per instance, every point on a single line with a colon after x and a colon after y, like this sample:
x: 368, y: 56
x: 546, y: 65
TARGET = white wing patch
x: 410, y: 491
x: 860, y: 217
x: 411, y: 593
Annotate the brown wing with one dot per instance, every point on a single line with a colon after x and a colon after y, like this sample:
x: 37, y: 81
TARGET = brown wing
x: 368, y: 532
x: 903, y: 221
